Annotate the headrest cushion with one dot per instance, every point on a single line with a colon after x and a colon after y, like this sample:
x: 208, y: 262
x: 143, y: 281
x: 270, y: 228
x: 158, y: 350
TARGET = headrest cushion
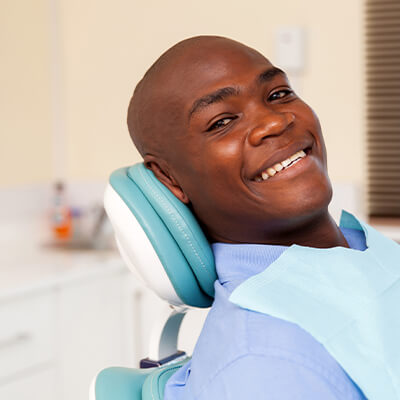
x: 182, y: 225
x: 174, y: 233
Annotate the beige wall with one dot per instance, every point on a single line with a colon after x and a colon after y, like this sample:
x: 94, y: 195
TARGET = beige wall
x: 25, y: 105
x: 104, y: 49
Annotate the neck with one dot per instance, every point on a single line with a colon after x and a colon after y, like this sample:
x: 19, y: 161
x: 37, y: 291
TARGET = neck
x: 319, y: 231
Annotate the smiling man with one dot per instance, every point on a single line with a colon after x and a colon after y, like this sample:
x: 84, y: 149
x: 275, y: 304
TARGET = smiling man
x: 221, y: 127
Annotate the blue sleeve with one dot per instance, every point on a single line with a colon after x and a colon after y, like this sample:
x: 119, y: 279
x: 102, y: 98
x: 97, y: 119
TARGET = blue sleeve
x: 262, y: 377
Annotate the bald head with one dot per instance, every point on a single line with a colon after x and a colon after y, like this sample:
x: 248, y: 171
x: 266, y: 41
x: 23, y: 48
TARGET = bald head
x: 156, y: 116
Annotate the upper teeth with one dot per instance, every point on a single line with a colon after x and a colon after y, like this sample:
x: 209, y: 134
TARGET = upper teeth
x: 271, y: 171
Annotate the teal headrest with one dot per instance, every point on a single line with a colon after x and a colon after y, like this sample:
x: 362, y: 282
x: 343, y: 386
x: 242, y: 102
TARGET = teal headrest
x: 173, y: 231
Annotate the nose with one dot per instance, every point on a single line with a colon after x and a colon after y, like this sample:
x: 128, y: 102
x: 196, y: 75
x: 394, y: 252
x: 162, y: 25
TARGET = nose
x: 272, y: 123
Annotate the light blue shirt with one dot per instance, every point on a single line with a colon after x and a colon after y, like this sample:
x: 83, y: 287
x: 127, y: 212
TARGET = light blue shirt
x: 243, y: 354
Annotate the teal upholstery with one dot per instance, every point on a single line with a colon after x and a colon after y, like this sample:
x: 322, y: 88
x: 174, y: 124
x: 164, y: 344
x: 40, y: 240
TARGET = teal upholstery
x: 116, y: 383
x: 173, y: 231
x: 182, y: 225
x: 154, y: 385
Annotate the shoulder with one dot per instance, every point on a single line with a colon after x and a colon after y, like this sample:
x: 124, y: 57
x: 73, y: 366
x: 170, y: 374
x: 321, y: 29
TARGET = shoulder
x: 236, y: 331
x: 244, y: 354
x: 259, y: 376
x: 237, y: 344
x: 230, y: 332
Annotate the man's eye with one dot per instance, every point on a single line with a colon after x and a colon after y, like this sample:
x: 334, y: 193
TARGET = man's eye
x: 220, y: 123
x: 280, y: 94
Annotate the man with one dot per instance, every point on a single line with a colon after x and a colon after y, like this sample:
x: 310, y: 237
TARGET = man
x: 220, y: 126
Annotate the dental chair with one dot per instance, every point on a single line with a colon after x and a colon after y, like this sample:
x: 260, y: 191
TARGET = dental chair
x: 160, y: 241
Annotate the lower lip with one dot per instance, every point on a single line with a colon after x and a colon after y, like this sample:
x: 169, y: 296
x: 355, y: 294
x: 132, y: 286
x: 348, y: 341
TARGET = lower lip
x: 297, y: 168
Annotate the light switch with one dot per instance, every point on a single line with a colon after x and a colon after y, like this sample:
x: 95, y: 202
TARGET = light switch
x: 290, y: 48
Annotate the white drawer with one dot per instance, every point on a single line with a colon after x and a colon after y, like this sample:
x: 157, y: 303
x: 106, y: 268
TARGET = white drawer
x: 27, y: 333
x: 36, y: 386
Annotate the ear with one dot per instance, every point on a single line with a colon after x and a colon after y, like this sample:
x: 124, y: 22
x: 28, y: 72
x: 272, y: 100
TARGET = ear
x: 162, y: 173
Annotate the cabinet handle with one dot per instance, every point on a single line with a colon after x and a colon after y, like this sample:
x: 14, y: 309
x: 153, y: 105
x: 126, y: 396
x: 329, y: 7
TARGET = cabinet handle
x: 16, y: 340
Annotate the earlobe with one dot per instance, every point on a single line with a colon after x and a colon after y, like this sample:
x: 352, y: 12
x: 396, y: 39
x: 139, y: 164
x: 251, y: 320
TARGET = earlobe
x: 163, y: 175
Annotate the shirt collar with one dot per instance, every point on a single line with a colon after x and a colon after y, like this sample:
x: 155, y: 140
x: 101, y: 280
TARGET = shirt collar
x: 237, y: 262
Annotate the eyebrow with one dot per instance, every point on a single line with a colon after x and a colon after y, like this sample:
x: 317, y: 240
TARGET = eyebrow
x: 223, y: 93
x: 269, y: 74
x: 212, y: 98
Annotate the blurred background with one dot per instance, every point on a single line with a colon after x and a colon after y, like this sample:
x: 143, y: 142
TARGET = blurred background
x: 68, y: 68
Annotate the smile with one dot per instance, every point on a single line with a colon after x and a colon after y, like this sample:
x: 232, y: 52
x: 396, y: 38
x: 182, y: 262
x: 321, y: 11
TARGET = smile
x: 279, y: 167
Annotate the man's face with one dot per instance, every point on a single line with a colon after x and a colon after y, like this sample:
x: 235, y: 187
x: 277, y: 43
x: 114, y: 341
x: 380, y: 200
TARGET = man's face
x: 239, y: 118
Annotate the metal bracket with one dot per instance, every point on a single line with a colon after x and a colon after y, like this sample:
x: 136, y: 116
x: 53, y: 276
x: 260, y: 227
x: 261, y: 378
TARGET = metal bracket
x: 164, y: 338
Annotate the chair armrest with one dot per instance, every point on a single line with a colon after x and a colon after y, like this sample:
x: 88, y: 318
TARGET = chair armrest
x: 119, y: 383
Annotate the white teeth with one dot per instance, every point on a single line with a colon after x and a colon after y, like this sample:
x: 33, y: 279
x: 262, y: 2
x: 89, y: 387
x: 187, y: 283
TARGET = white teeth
x: 294, y: 157
x: 278, y: 167
x: 297, y: 155
x: 264, y: 176
x: 271, y: 171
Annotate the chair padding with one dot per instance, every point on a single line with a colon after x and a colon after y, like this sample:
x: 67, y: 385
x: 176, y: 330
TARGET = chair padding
x: 120, y: 383
x: 154, y: 385
x: 182, y: 225
x: 173, y: 232
x: 134, y: 384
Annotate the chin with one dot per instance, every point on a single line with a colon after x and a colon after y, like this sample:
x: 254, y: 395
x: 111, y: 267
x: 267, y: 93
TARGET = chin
x: 315, y: 200
x: 310, y: 201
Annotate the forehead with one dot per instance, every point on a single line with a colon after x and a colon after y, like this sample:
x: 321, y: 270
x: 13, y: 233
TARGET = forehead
x: 210, y: 67
x: 189, y: 75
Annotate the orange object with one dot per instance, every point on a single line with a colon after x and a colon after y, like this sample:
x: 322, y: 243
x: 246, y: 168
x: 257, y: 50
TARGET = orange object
x: 61, y: 220
x: 62, y: 223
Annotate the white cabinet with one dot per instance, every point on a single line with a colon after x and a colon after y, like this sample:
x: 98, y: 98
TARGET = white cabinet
x: 58, y: 332
x: 27, y: 333
x: 27, y: 347
x: 90, y: 332
x: 55, y: 337
x: 38, y: 385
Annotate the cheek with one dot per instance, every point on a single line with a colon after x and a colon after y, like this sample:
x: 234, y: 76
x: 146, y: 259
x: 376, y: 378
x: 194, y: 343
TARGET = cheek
x: 219, y: 173
x: 311, y: 123
x: 225, y: 155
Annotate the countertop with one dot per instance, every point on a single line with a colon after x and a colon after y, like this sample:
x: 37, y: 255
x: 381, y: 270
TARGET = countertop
x: 52, y: 268
x: 27, y: 264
